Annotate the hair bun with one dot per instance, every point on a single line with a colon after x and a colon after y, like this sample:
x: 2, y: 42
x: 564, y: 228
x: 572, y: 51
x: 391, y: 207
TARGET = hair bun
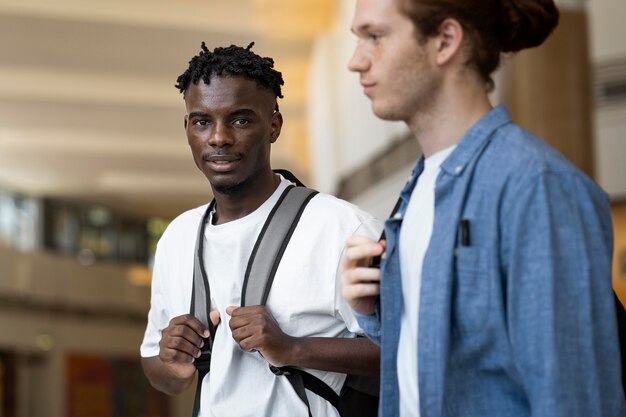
x: 526, y: 23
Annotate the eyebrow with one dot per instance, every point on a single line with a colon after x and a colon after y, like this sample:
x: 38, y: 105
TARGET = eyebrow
x: 243, y: 112
x: 238, y: 112
x: 197, y: 114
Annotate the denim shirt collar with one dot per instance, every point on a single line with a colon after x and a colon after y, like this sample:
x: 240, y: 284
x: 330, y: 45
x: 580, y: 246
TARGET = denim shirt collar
x: 475, y: 139
x: 472, y: 141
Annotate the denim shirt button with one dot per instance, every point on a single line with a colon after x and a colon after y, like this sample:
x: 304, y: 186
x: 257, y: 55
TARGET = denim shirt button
x: 458, y: 169
x: 397, y: 216
x: 383, y: 256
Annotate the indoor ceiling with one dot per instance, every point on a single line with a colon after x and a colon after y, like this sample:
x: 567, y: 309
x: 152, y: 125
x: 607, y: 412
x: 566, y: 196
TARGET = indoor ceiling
x: 88, y: 108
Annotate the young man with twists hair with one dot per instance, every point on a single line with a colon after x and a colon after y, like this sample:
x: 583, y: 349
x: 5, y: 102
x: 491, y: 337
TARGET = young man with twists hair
x: 494, y: 294
x: 231, y: 121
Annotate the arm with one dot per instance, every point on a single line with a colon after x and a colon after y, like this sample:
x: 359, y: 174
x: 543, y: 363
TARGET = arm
x: 173, y: 370
x: 161, y: 378
x: 557, y: 248
x: 254, y: 329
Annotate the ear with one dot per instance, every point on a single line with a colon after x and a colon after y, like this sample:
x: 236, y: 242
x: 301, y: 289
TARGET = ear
x: 186, y: 121
x: 277, y: 124
x: 449, y: 41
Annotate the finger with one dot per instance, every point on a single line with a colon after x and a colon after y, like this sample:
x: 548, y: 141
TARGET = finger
x: 357, y: 240
x: 241, y: 333
x: 192, y: 322
x: 234, y: 311
x: 249, y: 316
x: 214, y: 317
x: 362, y: 290
x: 248, y: 343
x: 178, y: 349
x: 360, y: 255
x: 360, y: 275
x: 183, y: 331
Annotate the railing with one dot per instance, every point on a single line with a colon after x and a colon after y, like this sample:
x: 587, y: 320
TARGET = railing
x: 47, y: 281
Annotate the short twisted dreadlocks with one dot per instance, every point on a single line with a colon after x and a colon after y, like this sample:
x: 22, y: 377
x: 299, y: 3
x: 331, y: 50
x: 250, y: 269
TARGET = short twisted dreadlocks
x: 234, y: 61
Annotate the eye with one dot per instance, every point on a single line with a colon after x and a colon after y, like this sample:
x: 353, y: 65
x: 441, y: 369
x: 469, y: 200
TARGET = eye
x: 201, y: 122
x: 374, y: 37
x: 241, y: 122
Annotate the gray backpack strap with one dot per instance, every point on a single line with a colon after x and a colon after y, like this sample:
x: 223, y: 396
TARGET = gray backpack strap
x: 201, y: 306
x: 271, y: 244
x: 200, y: 285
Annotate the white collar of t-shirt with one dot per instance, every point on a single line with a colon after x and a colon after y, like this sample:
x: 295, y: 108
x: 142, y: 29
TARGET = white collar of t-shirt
x: 415, y: 236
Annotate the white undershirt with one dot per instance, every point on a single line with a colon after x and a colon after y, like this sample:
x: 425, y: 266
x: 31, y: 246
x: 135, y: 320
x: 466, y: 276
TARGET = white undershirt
x: 415, y: 233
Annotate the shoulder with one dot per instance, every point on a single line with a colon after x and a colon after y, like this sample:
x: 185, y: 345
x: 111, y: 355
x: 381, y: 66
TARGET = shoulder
x: 326, y: 216
x: 335, y: 208
x: 522, y: 158
x: 524, y: 151
x: 521, y: 170
x: 182, y: 227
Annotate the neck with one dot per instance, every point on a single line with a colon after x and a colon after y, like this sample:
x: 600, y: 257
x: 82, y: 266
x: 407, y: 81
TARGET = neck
x: 245, y: 200
x: 458, y: 106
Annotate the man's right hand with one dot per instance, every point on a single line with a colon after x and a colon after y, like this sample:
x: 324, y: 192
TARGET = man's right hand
x: 361, y: 283
x: 181, y: 342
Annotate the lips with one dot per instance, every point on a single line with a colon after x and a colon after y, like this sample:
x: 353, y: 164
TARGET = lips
x: 367, y: 88
x: 222, y: 163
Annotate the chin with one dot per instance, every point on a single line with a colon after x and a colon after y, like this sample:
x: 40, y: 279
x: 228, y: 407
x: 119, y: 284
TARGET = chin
x: 386, y: 112
x: 227, y: 188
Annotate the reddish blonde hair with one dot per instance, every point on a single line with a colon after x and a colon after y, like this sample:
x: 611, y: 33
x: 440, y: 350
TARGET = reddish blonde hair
x: 491, y: 26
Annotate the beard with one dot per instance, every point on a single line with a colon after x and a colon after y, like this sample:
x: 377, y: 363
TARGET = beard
x: 244, y: 185
x: 230, y: 189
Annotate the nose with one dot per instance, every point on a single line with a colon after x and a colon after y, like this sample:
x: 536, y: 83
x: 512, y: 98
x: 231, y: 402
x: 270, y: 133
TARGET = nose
x: 220, y: 136
x: 359, y: 61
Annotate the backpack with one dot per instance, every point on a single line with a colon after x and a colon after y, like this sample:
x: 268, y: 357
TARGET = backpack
x: 359, y: 395
x: 621, y: 332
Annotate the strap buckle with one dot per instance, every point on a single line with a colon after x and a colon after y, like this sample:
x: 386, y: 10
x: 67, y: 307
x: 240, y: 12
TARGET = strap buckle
x: 203, y: 363
x: 279, y: 371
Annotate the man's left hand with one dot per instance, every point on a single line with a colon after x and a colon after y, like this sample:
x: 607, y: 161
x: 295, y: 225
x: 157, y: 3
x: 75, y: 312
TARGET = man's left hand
x: 254, y: 329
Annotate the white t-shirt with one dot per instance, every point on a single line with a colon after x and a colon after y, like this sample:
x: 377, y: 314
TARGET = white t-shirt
x: 305, y: 299
x: 417, y: 227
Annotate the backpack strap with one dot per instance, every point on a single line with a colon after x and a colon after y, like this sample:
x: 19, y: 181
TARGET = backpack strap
x: 267, y: 253
x: 621, y: 332
x: 201, y: 291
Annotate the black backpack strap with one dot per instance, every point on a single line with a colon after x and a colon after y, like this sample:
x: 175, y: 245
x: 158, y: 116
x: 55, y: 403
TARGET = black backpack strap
x: 621, y: 332
x: 300, y: 380
x: 289, y: 176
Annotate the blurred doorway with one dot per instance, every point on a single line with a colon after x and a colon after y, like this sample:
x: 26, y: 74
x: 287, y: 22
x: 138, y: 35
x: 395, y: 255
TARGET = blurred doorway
x: 7, y: 384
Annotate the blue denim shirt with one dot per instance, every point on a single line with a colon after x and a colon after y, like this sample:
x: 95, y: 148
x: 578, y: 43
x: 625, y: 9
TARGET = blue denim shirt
x: 520, y: 322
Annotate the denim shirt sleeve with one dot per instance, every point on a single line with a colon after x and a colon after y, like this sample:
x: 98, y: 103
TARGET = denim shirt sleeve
x: 370, y: 324
x: 556, y: 250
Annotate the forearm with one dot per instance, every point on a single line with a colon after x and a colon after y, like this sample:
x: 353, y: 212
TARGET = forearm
x: 358, y: 356
x: 162, y: 379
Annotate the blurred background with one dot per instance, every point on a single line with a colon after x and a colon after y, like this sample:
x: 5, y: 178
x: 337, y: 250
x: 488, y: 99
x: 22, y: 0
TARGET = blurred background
x: 94, y: 161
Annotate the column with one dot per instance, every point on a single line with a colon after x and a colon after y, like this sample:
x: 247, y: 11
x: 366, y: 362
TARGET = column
x: 548, y: 89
